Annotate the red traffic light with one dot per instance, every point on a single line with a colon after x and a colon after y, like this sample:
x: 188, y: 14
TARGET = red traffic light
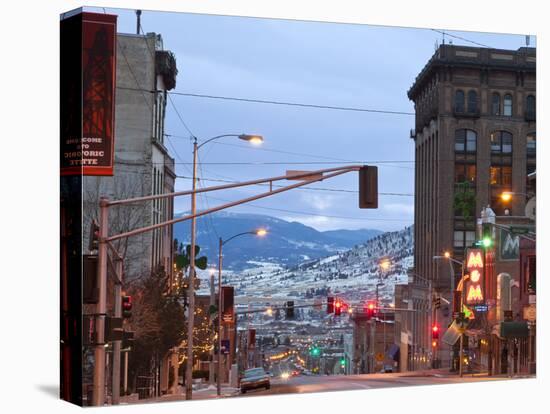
x: 435, y: 332
x: 126, y: 306
x: 337, y: 307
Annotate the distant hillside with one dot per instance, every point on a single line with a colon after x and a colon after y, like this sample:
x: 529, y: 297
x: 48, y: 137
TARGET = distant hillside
x: 288, y: 243
x: 352, y: 274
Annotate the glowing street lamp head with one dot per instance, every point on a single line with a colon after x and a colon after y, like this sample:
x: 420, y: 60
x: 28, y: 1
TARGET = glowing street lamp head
x: 447, y: 254
x: 385, y: 264
x: 253, y: 139
x: 506, y: 196
x: 261, y: 232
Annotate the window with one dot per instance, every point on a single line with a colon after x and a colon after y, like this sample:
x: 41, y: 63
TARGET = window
x: 531, y: 144
x: 507, y: 105
x: 464, y: 239
x: 495, y: 104
x: 465, y: 140
x: 465, y: 172
x: 530, y: 108
x: 472, y: 102
x: 501, y: 142
x: 459, y: 101
x: 501, y: 175
x: 531, y: 104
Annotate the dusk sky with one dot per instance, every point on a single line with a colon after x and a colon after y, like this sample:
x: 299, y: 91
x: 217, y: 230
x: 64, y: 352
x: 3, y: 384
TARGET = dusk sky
x: 346, y: 65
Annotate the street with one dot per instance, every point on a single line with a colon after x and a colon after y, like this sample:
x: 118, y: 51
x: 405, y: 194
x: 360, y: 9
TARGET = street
x: 307, y: 384
x: 323, y: 383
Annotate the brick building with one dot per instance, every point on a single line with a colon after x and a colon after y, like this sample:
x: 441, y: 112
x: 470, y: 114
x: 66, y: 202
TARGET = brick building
x: 475, y: 137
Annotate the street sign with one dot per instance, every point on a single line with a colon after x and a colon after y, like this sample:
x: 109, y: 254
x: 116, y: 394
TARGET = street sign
x: 481, y: 308
x: 300, y: 175
x: 379, y: 356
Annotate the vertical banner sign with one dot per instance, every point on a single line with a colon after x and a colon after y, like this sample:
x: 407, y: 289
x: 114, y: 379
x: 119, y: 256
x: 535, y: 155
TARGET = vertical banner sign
x: 474, y: 265
x: 92, y: 151
x: 228, y: 310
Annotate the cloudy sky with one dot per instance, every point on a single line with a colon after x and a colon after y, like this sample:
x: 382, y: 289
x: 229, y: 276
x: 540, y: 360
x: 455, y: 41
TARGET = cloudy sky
x: 344, y: 65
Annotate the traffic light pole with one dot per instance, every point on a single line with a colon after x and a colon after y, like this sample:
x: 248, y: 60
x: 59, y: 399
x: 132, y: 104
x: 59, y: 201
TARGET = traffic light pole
x: 117, y: 344
x: 306, y: 178
x: 98, y: 391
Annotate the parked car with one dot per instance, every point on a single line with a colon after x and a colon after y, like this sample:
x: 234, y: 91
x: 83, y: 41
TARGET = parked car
x: 254, y: 378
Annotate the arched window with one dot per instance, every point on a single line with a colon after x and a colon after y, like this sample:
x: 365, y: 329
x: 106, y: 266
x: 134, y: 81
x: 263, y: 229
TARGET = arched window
x: 507, y: 105
x: 465, y: 140
x: 459, y: 101
x: 531, y: 144
x: 495, y: 104
x: 501, y: 142
x: 472, y: 102
x: 530, y: 107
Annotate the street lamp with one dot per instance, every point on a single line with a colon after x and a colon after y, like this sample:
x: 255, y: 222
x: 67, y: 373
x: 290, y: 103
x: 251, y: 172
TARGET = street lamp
x: 447, y: 256
x: 507, y: 195
x: 260, y: 233
x: 255, y: 139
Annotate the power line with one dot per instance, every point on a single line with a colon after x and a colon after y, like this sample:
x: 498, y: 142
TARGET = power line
x: 298, y: 104
x: 305, y: 213
x: 461, y: 38
x: 340, y: 190
x: 286, y: 152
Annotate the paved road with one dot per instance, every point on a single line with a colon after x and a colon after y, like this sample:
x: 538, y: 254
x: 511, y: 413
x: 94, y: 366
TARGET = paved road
x: 308, y: 384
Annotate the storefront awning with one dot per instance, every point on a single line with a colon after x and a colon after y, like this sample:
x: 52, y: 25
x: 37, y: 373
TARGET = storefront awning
x: 514, y: 330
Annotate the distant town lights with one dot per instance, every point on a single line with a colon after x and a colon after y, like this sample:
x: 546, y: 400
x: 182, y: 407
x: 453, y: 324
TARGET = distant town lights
x: 261, y: 232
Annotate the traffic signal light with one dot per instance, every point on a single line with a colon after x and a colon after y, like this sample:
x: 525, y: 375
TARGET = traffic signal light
x: 368, y: 187
x: 127, y: 339
x: 289, y: 309
x: 434, y: 343
x: 337, y: 307
x: 486, y: 235
x: 342, y: 362
x: 330, y: 304
x: 437, y: 302
x: 315, y: 351
x: 370, y: 309
x: 94, y: 236
x: 127, y: 306
x: 435, y: 332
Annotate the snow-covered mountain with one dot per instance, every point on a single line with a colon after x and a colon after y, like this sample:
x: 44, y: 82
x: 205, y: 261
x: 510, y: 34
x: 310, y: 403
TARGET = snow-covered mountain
x: 287, y: 244
x: 352, y: 274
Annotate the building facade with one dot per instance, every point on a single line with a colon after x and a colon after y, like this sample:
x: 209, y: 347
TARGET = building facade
x: 143, y: 166
x: 475, y: 137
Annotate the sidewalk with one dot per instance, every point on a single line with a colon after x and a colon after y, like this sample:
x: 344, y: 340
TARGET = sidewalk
x: 209, y: 391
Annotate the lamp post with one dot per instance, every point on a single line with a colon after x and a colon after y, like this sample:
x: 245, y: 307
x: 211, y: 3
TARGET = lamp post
x: 507, y: 195
x: 257, y: 232
x: 254, y: 139
x: 447, y: 256
x: 431, y: 314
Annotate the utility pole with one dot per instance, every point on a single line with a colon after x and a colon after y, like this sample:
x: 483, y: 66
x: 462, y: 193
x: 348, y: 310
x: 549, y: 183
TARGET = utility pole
x: 219, y: 380
x: 98, y: 394
x: 212, y: 304
x: 117, y: 344
x: 191, y: 289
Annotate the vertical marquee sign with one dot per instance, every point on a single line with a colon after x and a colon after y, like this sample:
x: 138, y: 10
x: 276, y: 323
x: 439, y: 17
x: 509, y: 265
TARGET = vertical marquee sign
x: 475, y: 267
x: 88, y: 75
x: 228, y: 302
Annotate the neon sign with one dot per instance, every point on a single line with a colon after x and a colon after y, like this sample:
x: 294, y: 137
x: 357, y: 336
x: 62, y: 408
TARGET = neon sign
x: 474, y: 265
